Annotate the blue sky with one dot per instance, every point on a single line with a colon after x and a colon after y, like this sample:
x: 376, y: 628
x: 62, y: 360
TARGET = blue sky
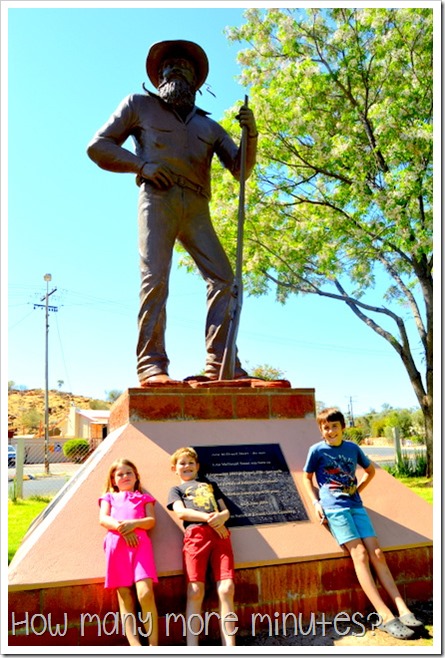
x: 68, y: 68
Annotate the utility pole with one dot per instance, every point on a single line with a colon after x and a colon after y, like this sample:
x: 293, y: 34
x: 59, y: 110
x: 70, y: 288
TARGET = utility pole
x: 351, y: 413
x: 47, y: 278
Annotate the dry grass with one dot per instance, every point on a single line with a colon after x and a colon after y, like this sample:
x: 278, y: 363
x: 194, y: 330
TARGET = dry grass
x: 59, y: 402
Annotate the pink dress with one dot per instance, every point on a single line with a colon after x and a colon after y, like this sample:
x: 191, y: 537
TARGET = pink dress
x: 128, y: 564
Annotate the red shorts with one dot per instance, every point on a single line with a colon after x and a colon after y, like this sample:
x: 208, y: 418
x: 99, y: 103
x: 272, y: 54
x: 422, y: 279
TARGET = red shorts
x: 202, y: 545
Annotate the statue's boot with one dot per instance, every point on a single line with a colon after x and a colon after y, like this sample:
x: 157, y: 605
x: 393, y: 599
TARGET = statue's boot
x: 159, y: 379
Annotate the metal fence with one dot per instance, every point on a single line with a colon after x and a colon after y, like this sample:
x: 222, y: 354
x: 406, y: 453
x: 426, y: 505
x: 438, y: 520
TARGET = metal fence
x: 39, y: 469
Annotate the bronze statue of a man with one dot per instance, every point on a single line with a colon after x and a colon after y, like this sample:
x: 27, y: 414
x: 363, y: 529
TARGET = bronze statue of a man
x: 174, y: 145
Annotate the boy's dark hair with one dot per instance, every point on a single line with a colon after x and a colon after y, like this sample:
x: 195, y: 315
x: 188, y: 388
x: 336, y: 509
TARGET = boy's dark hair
x: 330, y: 415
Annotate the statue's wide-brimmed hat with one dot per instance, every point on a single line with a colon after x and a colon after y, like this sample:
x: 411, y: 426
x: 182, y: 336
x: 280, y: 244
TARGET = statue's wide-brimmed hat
x: 187, y: 49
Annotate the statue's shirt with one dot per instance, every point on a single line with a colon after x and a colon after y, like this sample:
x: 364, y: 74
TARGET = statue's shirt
x: 163, y: 138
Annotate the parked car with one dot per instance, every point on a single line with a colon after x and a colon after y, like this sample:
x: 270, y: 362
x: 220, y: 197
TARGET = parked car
x: 12, y: 455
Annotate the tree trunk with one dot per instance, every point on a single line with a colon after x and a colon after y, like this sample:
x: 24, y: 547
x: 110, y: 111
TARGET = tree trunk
x: 427, y: 409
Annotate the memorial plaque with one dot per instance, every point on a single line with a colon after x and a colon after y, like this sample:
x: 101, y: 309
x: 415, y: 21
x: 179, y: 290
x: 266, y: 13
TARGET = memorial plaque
x: 256, y: 482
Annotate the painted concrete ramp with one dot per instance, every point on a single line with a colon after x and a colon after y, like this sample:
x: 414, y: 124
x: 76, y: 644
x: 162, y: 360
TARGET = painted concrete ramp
x: 65, y: 545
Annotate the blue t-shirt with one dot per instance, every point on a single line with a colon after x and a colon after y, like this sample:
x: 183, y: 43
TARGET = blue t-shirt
x: 334, y: 468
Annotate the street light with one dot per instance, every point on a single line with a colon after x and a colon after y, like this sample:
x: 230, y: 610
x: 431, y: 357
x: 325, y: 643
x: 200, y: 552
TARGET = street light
x: 47, y: 278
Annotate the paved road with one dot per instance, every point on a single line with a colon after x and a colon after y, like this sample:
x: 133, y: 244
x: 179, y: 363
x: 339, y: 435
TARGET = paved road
x: 385, y: 455
x: 37, y: 483
x: 62, y: 468
x: 47, y: 486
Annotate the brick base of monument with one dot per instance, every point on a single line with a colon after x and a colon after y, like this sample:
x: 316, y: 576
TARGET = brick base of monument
x: 264, y: 595
x: 208, y: 403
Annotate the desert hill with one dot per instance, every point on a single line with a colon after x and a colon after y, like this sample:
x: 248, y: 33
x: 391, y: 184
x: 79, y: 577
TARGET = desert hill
x: 26, y: 409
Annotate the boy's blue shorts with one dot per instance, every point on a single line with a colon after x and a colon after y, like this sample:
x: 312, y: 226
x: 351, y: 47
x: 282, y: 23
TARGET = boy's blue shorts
x: 349, y: 523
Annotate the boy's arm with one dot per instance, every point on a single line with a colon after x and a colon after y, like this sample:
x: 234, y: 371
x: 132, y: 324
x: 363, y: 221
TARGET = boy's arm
x: 220, y: 517
x: 312, y: 492
x: 368, y: 474
x: 186, y: 514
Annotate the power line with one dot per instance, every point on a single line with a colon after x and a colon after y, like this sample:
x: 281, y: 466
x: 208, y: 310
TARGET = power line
x: 21, y: 320
x: 63, y: 356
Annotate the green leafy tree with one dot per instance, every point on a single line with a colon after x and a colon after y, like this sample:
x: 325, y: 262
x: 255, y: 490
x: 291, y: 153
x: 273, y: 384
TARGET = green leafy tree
x: 341, y: 198
x: 355, y: 434
x: 378, y: 425
x: 99, y: 404
x: 113, y: 395
x: 418, y: 425
x: 408, y: 421
x: 401, y: 418
x: 267, y: 372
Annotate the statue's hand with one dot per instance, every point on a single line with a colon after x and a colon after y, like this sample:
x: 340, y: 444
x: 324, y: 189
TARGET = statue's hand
x: 246, y: 119
x: 158, y: 175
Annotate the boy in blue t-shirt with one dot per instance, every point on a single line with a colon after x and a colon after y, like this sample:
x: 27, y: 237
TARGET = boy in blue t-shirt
x: 337, y: 502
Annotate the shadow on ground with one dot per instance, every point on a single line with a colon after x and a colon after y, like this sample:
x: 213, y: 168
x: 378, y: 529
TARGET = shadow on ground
x: 345, y: 634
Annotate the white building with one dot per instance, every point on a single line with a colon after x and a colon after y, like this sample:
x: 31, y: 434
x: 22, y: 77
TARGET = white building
x: 91, y: 424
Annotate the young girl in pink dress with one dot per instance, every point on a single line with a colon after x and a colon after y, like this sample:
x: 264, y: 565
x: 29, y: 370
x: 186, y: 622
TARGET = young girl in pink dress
x: 127, y: 512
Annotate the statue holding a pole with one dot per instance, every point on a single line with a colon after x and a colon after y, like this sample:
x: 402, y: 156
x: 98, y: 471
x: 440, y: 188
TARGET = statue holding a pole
x: 175, y: 142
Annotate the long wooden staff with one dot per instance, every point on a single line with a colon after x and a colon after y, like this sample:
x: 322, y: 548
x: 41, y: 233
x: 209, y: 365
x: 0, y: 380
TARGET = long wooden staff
x: 227, y: 370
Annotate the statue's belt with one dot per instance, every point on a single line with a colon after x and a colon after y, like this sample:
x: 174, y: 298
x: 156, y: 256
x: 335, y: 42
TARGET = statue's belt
x: 181, y: 182
x: 185, y: 182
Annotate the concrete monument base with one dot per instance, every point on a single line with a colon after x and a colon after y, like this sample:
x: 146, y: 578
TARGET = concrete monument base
x: 57, y: 575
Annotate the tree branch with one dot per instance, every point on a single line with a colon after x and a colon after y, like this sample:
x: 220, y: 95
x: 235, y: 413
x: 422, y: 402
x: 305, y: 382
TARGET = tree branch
x: 402, y: 348
x: 408, y: 294
x: 361, y: 113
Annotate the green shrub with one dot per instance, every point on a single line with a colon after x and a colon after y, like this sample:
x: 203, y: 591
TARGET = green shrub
x: 355, y: 434
x: 99, y: 404
x: 409, y: 466
x: 377, y: 427
x: 417, y: 440
x: 77, y: 450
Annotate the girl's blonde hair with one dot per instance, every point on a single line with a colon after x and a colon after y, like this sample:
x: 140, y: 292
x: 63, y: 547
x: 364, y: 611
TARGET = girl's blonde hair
x: 110, y: 484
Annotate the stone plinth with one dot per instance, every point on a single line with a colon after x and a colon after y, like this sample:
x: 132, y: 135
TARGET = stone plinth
x: 210, y: 403
x: 281, y: 567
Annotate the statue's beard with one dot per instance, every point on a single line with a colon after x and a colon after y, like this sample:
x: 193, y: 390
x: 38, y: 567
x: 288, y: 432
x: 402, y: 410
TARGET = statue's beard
x: 178, y: 93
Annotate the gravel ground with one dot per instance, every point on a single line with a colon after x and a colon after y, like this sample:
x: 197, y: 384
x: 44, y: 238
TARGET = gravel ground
x: 346, y: 635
